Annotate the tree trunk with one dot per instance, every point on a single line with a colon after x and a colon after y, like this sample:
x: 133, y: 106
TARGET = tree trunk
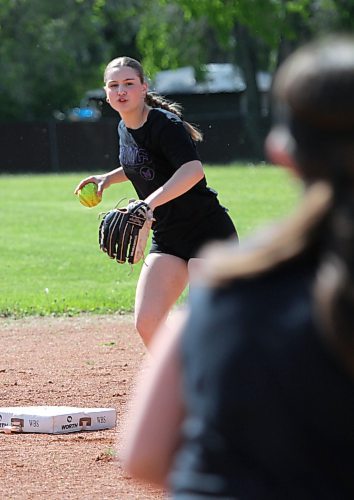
x: 247, y: 60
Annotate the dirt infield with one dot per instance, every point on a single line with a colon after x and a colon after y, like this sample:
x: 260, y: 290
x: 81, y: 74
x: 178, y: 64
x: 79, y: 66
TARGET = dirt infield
x: 87, y: 361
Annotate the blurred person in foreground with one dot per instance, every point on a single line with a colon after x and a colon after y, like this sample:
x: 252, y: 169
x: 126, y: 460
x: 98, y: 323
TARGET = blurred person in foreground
x: 253, y: 398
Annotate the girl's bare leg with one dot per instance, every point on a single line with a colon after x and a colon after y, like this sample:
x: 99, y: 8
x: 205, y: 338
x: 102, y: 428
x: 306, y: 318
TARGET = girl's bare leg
x: 162, y: 280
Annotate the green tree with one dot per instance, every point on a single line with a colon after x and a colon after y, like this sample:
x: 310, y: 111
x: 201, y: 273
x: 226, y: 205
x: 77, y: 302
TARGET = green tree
x: 49, y: 53
x: 121, y: 23
x: 52, y: 52
x: 258, y: 34
x: 256, y: 31
x: 344, y: 10
x: 168, y: 40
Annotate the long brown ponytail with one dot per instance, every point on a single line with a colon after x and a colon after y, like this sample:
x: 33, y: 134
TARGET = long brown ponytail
x: 158, y: 101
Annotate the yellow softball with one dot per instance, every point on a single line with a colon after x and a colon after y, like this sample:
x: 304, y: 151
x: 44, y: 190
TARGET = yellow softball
x: 88, y: 195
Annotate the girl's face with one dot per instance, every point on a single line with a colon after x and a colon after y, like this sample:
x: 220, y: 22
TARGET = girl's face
x: 124, y: 90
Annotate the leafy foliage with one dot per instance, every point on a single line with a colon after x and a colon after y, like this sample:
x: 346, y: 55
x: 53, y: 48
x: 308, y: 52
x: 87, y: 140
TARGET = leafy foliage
x: 49, y: 53
x: 159, y: 30
x: 52, y: 52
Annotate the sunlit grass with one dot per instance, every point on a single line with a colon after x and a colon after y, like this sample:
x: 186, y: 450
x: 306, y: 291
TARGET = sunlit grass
x: 50, y: 260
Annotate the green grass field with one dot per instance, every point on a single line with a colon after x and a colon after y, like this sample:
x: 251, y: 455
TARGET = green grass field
x: 50, y: 261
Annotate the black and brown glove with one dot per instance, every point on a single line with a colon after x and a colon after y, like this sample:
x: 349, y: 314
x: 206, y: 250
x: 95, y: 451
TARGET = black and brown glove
x: 124, y: 232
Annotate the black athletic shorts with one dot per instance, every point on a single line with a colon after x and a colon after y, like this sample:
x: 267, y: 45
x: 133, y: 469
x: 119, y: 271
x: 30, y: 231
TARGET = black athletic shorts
x: 219, y: 226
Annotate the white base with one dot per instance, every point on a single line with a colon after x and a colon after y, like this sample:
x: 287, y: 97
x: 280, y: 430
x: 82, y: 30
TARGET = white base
x: 55, y: 419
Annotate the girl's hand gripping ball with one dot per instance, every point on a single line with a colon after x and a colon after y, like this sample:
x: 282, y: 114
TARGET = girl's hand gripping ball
x: 88, y: 195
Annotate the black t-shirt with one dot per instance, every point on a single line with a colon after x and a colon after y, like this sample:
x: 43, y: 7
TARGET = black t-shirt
x: 270, y: 410
x: 150, y: 156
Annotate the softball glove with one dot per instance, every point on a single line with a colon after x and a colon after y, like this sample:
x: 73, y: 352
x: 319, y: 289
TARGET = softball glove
x: 123, y: 232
